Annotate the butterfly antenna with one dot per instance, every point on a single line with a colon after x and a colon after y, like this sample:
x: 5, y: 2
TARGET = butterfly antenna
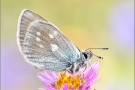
x: 97, y: 48
x: 98, y: 56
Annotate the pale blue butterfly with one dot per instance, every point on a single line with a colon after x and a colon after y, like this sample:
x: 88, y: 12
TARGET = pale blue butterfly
x: 45, y: 47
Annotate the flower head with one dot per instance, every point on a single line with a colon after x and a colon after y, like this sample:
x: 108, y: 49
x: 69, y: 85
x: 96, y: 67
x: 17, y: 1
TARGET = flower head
x: 64, y: 81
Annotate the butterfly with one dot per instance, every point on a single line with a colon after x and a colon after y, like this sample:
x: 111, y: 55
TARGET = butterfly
x: 44, y: 46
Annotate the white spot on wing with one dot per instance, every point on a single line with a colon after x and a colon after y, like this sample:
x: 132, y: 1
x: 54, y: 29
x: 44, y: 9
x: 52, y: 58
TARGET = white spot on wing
x: 55, y: 32
x: 38, y: 39
x: 54, y: 47
x: 38, y: 33
x: 51, y: 36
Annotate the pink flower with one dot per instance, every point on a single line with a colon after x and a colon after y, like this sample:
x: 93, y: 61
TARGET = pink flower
x: 63, y: 81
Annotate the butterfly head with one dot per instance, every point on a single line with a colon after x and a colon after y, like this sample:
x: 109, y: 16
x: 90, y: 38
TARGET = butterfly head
x: 85, y: 58
x: 86, y: 55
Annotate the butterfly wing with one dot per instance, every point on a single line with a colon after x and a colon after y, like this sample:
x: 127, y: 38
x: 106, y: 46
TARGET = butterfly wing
x: 43, y: 45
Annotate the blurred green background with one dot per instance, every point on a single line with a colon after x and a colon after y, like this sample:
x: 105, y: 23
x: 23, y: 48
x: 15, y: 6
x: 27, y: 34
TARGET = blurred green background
x: 88, y: 23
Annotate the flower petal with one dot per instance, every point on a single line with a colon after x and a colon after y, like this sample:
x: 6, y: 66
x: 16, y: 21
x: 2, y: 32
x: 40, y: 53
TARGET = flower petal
x: 92, y: 69
x: 65, y: 87
x: 91, y: 76
x: 72, y: 88
x: 48, y: 78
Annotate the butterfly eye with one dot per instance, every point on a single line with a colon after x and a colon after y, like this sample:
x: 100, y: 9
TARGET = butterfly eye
x: 85, y: 55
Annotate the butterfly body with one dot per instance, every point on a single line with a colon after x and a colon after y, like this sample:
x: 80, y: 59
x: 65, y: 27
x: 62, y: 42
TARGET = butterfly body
x: 45, y: 47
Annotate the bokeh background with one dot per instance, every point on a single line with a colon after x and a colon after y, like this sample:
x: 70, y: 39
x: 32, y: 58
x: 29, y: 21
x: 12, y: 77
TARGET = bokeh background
x: 88, y: 23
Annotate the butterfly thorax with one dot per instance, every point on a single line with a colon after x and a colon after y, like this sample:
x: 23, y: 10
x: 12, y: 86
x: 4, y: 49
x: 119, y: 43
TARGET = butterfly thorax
x: 82, y: 62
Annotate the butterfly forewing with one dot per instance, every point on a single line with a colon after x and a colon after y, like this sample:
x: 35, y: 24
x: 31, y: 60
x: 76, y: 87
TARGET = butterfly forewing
x: 43, y: 44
